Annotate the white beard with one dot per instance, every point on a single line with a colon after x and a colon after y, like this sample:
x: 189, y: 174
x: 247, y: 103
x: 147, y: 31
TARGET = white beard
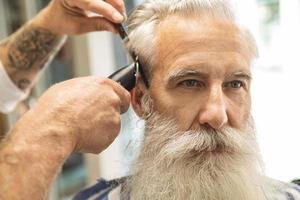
x: 204, y: 164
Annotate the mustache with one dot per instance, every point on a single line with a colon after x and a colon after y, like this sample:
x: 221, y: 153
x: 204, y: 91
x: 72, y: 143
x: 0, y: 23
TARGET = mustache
x: 208, y: 140
x: 186, y: 144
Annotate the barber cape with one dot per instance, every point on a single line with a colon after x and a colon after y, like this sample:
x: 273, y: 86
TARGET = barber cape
x: 114, y: 190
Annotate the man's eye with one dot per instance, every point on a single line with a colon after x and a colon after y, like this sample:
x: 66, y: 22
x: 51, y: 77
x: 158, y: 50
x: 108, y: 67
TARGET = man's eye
x: 235, y: 84
x: 190, y: 83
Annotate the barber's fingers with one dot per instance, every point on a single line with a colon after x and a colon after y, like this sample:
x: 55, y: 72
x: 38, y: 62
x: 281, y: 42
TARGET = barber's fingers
x: 100, y: 7
x: 90, y: 24
x: 118, y: 4
x: 124, y: 96
x: 122, y: 93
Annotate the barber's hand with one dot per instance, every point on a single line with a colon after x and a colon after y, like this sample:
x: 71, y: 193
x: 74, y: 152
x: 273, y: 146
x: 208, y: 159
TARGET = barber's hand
x: 83, y: 114
x: 75, y: 16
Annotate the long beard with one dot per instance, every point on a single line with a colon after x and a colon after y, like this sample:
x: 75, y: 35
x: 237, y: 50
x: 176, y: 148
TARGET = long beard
x: 202, y: 164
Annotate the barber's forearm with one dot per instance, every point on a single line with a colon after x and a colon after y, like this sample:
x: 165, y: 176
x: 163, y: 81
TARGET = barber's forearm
x: 27, y: 51
x: 30, y: 159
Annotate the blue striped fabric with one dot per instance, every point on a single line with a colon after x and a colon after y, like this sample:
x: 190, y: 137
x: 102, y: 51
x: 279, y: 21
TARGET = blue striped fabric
x: 102, y: 190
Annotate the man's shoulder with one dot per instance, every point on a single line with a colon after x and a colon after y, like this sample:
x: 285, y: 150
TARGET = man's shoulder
x: 112, y: 190
x: 103, y: 190
x: 279, y: 190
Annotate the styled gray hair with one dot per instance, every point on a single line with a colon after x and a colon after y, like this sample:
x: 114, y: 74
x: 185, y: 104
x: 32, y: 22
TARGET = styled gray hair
x: 144, y: 18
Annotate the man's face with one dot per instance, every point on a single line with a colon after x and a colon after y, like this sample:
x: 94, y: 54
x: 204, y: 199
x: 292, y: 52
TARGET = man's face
x: 201, y: 76
x: 199, y: 137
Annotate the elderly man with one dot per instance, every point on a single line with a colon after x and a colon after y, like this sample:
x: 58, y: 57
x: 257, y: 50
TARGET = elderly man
x: 199, y: 135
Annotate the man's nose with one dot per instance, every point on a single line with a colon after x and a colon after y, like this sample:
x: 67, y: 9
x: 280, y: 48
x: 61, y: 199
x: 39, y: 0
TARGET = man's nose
x: 214, y: 111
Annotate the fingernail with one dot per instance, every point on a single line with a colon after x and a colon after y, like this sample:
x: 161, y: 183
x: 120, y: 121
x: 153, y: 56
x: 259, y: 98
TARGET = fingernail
x: 118, y: 17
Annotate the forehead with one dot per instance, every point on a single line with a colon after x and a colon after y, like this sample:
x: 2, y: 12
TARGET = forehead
x: 183, y: 41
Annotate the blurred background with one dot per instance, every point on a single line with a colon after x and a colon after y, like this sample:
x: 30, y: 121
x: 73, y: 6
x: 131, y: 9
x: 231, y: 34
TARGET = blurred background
x: 276, y: 110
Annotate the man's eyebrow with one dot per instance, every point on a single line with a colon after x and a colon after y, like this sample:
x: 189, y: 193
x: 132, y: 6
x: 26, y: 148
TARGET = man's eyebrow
x: 242, y: 74
x: 175, y: 75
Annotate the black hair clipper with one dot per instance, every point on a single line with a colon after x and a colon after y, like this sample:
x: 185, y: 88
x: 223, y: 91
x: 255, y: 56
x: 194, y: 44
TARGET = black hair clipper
x: 127, y: 75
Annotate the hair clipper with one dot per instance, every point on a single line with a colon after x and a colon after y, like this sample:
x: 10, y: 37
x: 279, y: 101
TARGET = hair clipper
x: 127, y: 76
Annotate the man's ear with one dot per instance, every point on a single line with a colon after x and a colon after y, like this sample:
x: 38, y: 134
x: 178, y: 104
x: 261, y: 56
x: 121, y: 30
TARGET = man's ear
x: 137, y: 94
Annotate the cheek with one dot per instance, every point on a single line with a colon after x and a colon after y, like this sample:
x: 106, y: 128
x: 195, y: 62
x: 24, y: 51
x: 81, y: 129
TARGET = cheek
x: 182, y: 108
x: 238, y: 110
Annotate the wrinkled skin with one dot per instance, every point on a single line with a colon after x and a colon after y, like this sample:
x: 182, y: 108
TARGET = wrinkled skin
x: 201, y: 76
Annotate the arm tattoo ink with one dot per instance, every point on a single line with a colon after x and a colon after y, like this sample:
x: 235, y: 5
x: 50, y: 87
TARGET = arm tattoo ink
x: 28, y: 50
x: 31, y: 47
x: 23, y: 84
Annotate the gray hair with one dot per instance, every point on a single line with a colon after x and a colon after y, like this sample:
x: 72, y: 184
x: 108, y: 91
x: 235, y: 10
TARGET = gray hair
x: 145, y: 17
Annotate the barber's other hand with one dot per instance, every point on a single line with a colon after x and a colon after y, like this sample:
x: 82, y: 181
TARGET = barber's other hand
x: 83, y: 112
x: 75, y: 16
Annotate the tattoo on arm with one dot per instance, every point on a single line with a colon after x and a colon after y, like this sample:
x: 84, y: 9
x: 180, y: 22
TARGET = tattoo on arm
x: 30, y: 47
x: 27, y: 51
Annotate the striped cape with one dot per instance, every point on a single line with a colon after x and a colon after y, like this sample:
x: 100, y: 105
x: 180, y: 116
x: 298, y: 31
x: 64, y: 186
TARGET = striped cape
x: 112, y: 190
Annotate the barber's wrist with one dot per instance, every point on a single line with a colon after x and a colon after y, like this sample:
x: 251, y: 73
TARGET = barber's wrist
x: 48, y: 20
